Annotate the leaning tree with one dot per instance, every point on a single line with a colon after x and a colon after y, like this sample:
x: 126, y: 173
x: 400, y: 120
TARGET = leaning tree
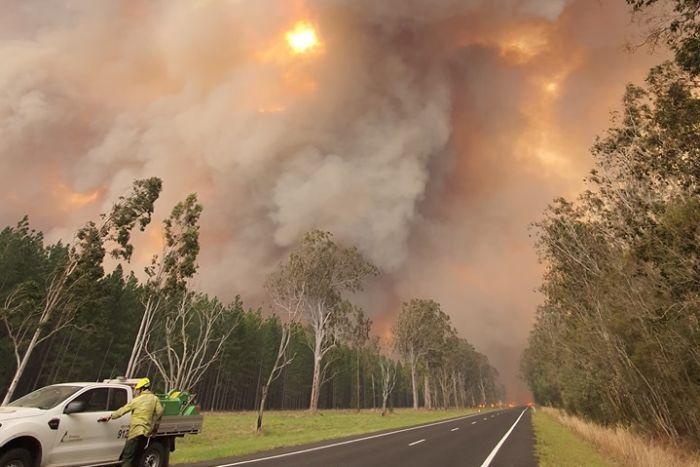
x: 80, y: 266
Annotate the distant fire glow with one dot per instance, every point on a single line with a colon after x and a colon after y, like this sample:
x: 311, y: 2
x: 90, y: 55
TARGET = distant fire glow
x: 75, y: 199
x: 302, y: 38
x: 552, y: 87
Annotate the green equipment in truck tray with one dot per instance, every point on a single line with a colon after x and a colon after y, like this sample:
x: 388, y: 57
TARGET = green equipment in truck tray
x: 177, y: 403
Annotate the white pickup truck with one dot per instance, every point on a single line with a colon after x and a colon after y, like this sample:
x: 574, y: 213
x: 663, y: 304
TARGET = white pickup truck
x: 57, y: 426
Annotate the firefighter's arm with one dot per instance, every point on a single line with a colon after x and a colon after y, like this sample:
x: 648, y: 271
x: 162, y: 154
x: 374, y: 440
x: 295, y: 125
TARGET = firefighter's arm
x: 122, y: 411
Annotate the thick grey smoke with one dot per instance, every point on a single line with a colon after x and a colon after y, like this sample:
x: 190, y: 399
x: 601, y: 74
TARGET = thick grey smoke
x: 429, y: 133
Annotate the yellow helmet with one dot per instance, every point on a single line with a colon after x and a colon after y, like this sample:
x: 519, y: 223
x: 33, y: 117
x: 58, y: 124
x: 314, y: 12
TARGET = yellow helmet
x: 143, y: 383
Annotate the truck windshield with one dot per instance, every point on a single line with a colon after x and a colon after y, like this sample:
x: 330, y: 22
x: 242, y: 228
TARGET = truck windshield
x: 46, y: 398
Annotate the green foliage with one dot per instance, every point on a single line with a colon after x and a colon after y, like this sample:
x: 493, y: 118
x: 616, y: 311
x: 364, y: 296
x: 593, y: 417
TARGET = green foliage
x: 616, y: 338
x: 129, y: 211
x: 178, y: 261
x: 103, y: 304
x: 421, y: 328
x: 679, y: 29
x: 318, y: 271
x: 425, y: 338
x: 107, y: 312
x: 309, y: 288
x: 182, y: 242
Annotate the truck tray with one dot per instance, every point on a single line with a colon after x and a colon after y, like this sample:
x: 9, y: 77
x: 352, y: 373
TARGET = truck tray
x: 174, y: 425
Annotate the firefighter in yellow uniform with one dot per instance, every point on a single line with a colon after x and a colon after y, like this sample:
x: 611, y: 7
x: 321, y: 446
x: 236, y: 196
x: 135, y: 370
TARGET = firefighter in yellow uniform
x: 146, y: 411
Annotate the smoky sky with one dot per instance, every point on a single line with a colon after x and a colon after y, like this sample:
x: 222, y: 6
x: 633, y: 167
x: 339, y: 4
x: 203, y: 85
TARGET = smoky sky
x: 428, y: 133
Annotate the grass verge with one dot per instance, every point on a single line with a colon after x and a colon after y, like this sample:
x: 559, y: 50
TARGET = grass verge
x: 228, y: 434
x: 624, y: 446
x: 557, y: 446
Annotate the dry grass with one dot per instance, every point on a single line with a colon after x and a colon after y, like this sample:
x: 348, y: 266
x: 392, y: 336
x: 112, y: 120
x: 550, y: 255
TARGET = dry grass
x: 624, y: 446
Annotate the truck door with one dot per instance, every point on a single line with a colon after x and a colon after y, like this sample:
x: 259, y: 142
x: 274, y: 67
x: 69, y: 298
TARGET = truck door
x: 81, y: 439
x: 118, y: 397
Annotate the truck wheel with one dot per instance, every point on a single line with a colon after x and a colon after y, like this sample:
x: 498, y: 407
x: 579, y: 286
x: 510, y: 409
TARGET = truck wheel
x: 16, y: 458
x: 154, y: 455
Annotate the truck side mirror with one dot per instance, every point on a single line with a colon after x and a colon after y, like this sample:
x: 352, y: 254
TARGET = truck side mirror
x: 74, y: 407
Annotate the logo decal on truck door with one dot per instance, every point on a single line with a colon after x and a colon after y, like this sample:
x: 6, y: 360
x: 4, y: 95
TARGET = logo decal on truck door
x: 67, y: 438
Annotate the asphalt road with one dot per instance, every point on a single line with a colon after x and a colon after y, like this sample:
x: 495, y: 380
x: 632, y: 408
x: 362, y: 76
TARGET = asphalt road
x: 500, y: 438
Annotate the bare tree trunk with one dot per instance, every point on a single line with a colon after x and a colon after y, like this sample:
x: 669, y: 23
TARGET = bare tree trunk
x: 388, y: 382
x: 140, y: 341
x: 483, y: 392
x: 384, y: 400
x: 357, y: 381
x: 414, y: 385
x: 374, y: 397
x: 281, y: 362
x: 257, y: 386
x: 261, y: 409
x: 426, y: 389
x: 284, y: 388
x: 443, y: 379
x: 315, y: 386
x: 21, y: 365
x: 316, y: 382
x: 455, y: 393
x: 54, y: 296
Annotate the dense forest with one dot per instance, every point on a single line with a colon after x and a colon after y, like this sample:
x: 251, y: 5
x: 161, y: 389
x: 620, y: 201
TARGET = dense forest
x: 64, y: 318
x: 617, y: 339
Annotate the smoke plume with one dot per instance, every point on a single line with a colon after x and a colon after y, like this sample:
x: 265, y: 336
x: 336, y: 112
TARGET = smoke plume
x: 429, y: 133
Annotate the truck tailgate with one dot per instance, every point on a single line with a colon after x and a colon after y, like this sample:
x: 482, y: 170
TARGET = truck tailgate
x: 179, y: 425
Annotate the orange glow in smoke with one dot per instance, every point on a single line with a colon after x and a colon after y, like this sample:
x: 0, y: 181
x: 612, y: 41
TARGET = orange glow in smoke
x: 552, y: 87
x: 81, y: 199
x: 76, y: 199
x: 523, y: 44
x: 272, y: 109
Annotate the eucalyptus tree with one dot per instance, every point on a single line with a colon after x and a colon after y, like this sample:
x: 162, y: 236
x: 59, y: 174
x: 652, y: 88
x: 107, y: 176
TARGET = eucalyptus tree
x: 388, y: 369
x: 447, y: 368
x: 80, y: 264
x: 169, y: 271
x: 286, y: 287
x: 357, y: 336
x: 616, y: 337
x: 677, y: 24
x: 419, y: 333
x: 318, y: 272
x: 192, y: 336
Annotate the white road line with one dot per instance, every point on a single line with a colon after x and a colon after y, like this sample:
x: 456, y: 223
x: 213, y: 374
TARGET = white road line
x: 454, y: 429
x: 473, y: 423
x: 489, y: 459
x: 486, y: 418
x: 416, y: 442
x: 343, y: 443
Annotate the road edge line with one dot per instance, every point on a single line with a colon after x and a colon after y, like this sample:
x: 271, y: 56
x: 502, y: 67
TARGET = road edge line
x: 489, y: 459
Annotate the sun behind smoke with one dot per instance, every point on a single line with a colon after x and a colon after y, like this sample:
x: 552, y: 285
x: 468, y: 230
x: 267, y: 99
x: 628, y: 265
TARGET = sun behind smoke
x: 302, y: 38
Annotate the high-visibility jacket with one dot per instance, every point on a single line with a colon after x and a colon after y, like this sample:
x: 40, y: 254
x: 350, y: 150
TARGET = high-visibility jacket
x: 145, y: 410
